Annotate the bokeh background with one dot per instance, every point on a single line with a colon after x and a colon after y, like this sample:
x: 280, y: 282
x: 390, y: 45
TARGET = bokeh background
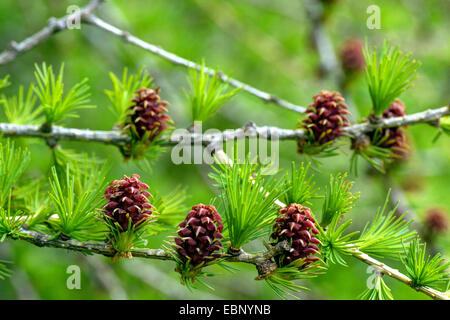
x: 269, y: 45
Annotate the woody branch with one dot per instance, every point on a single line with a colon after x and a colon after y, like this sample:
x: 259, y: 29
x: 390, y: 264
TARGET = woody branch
x: 105, y: 249
x: 117, y: 138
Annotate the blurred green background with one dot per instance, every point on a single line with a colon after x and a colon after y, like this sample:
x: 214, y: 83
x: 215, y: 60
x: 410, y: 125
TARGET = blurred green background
x: 264, y: 43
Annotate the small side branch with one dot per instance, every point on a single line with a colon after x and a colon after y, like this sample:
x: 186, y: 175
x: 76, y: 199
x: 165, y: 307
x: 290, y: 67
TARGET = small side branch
x: 394, y: 273
x: 179, y: 61
x: 329, y: 63
x: 430, y: 116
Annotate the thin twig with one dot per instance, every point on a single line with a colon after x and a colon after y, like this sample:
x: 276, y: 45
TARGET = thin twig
x: 87, y: 16
x: 330, y: 66
x: 329, y: 63
x: 53, y: 26
x: 394, y: 273
x: 177, y: 60
x: 43, y: 240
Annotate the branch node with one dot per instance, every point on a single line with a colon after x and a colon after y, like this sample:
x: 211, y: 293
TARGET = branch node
x: 64, y: 237
x: 125, y: 35
x: 234, y: 252
x: 13, y: 46
x: 51, y: 22
x: 373, y: 119
x: 274, y: 99
x: 265, y: 269
x: 249, y: 126
x: 220, y: 75
x: 360, y: 142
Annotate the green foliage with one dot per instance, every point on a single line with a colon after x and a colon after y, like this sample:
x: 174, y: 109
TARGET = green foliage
x: 248, y: 200
x: 191, y: 276
x: 77, y: 161
x: 334, y: 242
x: 444, y: 127
x: 338, y: 198
x: 37, y: 205
x: 388, y: 76
x: 385, y: 234
x: 31, y: 198
x: 282, y: 280
x: 380, y: 291
x: 21, y: 109
x: 171, y: 207
x: 4, y: 271
x: 123, y: 90
x: 300, y: 188
x: 13, y: 162
x: 314, y: 151
x: 4, y: 82
x: 10, y: 223
x: 423, y: 269
x: 444, y: 124
x: 50, y: 90
x: 376, y: 156
x: 143, y: 151
x: 76, y: 197
x: 125, y: 241
x: 208, y: 93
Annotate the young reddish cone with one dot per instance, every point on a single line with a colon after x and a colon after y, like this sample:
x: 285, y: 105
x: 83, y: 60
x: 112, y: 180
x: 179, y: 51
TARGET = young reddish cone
x: 325, y: 118
x: 199, y: 235
x: 127, y: 200
x: 436, y: 221
x: 296, y: 225
x: 394, y: 138
x: 148, y: 114
x: 352, y: 58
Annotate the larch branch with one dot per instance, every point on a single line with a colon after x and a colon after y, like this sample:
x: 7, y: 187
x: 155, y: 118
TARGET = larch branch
x: 117, y: 138
x: 105, y: 249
